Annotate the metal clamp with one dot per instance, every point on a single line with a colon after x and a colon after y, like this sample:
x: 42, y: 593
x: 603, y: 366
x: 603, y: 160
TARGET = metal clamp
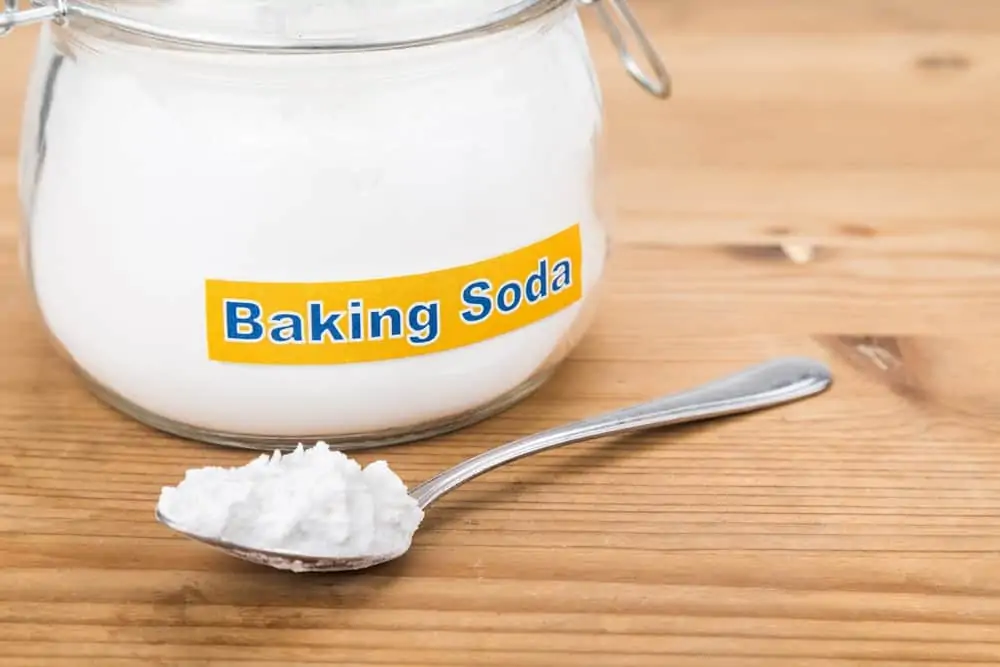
x: 659, y: 83
x: 40, y: 10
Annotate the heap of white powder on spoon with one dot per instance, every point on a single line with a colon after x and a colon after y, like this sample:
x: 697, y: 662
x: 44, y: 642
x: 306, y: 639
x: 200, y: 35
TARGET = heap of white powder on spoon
x: 314, y: 501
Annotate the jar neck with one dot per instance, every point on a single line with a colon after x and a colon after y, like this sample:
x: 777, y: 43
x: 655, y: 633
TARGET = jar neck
x: 102, y: 49
x: 306, y: 25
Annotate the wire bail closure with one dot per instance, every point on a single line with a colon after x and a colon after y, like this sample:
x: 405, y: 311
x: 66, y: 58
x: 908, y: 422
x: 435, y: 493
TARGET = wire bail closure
x: 657, y: 84
x: 40, y: 11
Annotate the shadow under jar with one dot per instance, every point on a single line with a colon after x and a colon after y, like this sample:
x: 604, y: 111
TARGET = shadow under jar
x: 259, y: 224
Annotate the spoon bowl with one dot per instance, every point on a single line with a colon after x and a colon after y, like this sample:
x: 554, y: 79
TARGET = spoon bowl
x: 755, y: 388
x: 284, y: 560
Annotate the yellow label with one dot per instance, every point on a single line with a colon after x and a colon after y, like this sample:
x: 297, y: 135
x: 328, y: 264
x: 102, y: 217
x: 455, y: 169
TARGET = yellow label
x: 390, y: 318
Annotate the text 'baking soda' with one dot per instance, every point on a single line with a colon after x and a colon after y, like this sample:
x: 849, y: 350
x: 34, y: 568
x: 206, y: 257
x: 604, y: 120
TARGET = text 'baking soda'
x: 390, y: 318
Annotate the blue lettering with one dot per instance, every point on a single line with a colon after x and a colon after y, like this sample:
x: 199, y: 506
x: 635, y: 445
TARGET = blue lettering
x: 243, y: 320
x: 562, y: 275
x: 509, y: 297
x: 536, y: 287
x: 424, y: 323
x: 285, y: 328
x: 354, y: 308
x: 377, y: 317
x: 472, y: 296
x: 321, y: 325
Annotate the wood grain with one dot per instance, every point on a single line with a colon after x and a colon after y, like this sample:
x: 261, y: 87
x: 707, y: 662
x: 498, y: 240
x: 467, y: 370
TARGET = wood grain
x: 825, y: 182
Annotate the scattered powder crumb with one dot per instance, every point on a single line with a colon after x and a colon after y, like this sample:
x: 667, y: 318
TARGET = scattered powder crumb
x: 314, y: 501
x: 800, y: 253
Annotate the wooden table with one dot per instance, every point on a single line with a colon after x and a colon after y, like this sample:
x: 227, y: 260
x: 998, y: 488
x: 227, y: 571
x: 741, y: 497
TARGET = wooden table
x: 826, y: 182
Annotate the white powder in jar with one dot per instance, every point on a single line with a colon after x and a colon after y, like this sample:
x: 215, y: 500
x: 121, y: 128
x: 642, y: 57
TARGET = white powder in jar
x: 164, y: 168
x: 312, y: 502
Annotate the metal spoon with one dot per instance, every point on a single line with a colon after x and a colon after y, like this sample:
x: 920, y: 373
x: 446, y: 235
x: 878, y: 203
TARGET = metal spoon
x: 762, y: 386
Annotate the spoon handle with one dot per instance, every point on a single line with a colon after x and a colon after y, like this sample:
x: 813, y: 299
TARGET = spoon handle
x: 761, y: 386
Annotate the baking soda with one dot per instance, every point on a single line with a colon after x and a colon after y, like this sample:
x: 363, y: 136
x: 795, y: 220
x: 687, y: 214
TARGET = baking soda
x: 312, y: 502
x: 163, y: 168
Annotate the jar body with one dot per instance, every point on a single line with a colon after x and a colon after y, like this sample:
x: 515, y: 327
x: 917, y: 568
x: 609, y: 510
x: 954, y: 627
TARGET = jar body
x: 153, y: 180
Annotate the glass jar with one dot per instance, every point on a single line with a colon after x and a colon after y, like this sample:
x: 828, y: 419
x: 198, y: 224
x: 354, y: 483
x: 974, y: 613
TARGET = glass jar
x: 259, y: 224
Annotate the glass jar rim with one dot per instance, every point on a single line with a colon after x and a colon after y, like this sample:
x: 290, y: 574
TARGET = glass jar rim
x: 63, y: 11
x: 520, y: 12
